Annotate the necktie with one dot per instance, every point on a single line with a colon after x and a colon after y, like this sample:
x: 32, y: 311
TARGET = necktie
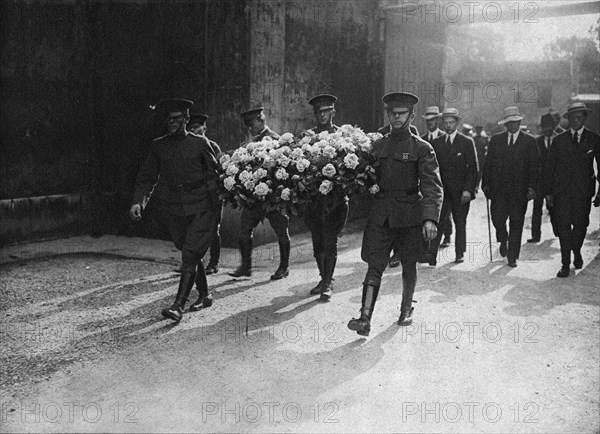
x: 576, y: 137
x: 448, y: 143
x: 430, y: 138
x: 547, y: 142
x: 510, y: 142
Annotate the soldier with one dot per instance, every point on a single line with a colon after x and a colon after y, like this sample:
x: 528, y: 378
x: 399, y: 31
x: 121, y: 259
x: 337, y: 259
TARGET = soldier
x: 548, y: 125
x: 570, y: 184
x: 405, y: 211
x: 327, y: 215
x: 510, y: 180
x: 481, y: 145
x: 187, y: 165
x: 256, y: 122
x: 459, y: 170
x: 198, y: 126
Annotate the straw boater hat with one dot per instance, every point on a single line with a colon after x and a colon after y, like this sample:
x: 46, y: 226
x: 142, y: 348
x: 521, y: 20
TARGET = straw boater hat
x: 575, y: 107
x: 511, y: 114
x: 432, y: 113
x: 451, y: 112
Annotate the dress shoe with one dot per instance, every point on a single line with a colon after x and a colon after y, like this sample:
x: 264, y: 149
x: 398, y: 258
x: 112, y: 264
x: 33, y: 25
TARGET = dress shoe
x: 533, y: 240
x: 361, y: 326
x: 503, y: 249
x: 394, y: 263
x: 459, y: 259
x: 428, y: 259
x: 211, y: 269
x: 317, y: 289
x: 406, y: 317
x: 201, y: 303
x: 578, y: 261
x: 445, y: 243
x: 564, y: 271
x: 174, y: 312
x: 512, y: 263
x: 327, y: 292
x: 241, y: 272
x: 280, y: 273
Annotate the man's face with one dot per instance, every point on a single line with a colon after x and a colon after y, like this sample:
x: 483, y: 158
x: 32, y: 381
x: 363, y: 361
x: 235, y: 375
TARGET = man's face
x: 324, y: 115
x: 432, y: 124
x: 513, y: 126
x: 450, y: 124
x: 197, y: 128
x: 400, y: 117
x: 176, y: 122
x: 548, y: 131
x: 257, y: 125
x: 478, y: 130
x: 577, y: 120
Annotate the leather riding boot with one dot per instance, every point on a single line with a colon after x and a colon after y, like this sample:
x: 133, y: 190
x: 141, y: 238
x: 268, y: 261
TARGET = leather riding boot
x: 362, y: 325
x: 204, y: 298
x: 320, y: 258
x: 246, y: 251
x: 186, y: 281
x: 284, y: 260
x: 329, y: 269
x: 406, y: 309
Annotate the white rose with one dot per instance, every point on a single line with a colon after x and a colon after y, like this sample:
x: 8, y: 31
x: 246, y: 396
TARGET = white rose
x: 374, y: 189
x: 351, y: 161
x: 325, y: 187
x: 283, y: 161
x: 286, y: 193
x: 297, y: 153
x: 231, y: 170
x: 249, y: 185
x: 245, y: 176
x: 261, y: 189
x: 229, y: 183
x: 286, y: 138
x: 281, y: 174
x: 329, y: 170
x: 302, y: 164
x: 259, y: 174
x: 329, y: 151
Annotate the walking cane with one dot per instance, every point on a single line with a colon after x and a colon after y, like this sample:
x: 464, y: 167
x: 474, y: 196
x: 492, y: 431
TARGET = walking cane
x: 487, y: 203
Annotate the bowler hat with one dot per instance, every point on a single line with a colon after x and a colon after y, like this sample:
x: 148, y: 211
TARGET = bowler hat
x: 451, y: 113
x: 399, y: 99
x: 575, y: 107
x: 323, y: 101
x: 511, y: 114
x: 432, y: 112
x: 173, y: 105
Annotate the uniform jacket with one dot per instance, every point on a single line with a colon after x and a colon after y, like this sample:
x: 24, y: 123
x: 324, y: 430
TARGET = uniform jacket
x: 387, y: 129
x: 264, y: 133
x: 511, y: 170
x: 179, y: 159
x: 316, y: 129
x: 458, y: 164
x: 571, y: 165
x: 406, y: 163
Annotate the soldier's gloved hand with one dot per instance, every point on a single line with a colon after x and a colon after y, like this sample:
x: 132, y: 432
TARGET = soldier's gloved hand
x: 530, y: 194
x: 466, y: 197
x: 429, y: 230
x: 135, y: 212
x: 597, y: 200
x: 549, y: 201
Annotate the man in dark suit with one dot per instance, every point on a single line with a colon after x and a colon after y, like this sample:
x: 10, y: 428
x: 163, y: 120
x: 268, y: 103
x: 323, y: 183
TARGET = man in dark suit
x: 548, y: 125
x: 570, y: 184
x: 510, y: 179
x: 459, y: 170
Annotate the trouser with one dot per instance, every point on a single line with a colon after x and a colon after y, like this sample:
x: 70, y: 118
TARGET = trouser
x: 452, y: 205
x: 570, y: 218
x: 325, y: 230
x: 536, y: 217
x: 252, y: 217
x: 215, y: 246
x: 504, y: 207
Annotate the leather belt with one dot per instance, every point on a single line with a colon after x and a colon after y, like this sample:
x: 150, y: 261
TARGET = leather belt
x: 396, y: 194
x: 189, y: 186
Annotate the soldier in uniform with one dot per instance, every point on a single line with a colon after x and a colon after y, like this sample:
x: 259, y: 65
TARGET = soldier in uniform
x: 197, y: 125
x: 256, y: 122
x: 459, y: 170
x: 187, y: 165
x: 405, y: 211
x: 326, y: 216
x: 570, y: 184
x: 510, y: 179
x: 548, y: 125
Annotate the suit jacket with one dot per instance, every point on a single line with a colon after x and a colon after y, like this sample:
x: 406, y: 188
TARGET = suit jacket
x: 511, y: 170
x: 543, y: 151
x: 571, y: 165
x: 458, y: 164
x: 426, y: 135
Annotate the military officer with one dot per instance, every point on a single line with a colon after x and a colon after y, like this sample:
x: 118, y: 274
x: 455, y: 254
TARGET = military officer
x: 459, y: 170
x: 198, y: 126
x: 510, y: 179
x: 327, y: 214
x: 256, y: 122
x: 570, y: 184
x: 187, y: 165
x: 405, y: 212
x: 548, y: 125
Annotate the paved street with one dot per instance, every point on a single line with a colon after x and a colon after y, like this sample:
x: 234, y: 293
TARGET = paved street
x: 492, y: 348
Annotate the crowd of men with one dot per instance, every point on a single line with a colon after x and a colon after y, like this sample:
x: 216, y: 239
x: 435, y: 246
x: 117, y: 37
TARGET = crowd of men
x: 423, y: 180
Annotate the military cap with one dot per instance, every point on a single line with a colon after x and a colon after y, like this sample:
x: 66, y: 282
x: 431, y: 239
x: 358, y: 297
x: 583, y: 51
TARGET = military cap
x: 432, y: 112
x: 511, y: 114
x: 173, y: 105
x: 576, y: 107
x: 323, y: 101
x: 249, y: 115
x: 399, y: 99
x: 548, y: 121
x: 198, y: 118
x: 451, y: 113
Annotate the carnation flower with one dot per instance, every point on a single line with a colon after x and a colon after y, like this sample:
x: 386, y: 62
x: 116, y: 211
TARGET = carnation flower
x: 229, y: 183
x: 286, y: 194
x: 374, y: 189
x: 351, y: 161
x: 329, y: 170
x: 326, y: 187
x: 261, y: 189
x: 281, y: 174
x: 232, y: 169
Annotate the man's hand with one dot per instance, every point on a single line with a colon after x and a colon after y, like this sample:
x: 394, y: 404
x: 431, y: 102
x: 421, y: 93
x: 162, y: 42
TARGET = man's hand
x: 466, y: 197
x: 549, y: 201
x: 135, y: 212
x: 429, y: 230
x: 530, y: 194
x: 597, y: 200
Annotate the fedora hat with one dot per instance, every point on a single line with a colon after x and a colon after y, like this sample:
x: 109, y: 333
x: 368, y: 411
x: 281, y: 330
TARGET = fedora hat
x: 451, y: 112
x: 575, y: 107
x: 511, y: 114
x: 432, y: 113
